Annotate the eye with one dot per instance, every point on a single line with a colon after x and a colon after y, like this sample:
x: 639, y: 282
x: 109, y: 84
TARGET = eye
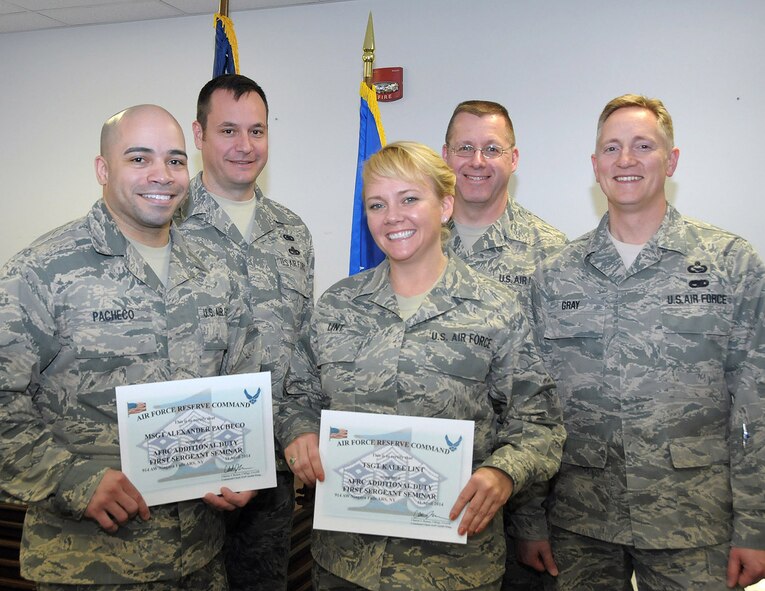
x: 645, y: 147
x: 138, y: 159
x: 227, y: 131
x: 374, y: 205
x: 492, y: 150
x: 177, y: 162
x: 465, y: 150
x: 410, y: 199
x: 609, y: 149
x: 258, y: 132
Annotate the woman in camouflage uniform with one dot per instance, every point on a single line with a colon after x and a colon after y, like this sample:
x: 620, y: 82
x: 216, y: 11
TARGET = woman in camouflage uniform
x: 423, y: 335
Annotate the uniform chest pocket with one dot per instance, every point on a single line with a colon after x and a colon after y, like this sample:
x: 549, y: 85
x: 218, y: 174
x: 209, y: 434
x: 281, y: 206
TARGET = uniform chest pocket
x: 452, y: 379
x: 573, y: 327
x: 574, y: 319
x: 336, y: 358
x: 214, y: 333
x: 694, y: 341
x: 111, y: 340
x: 109, y: 355
x: 697, y: 320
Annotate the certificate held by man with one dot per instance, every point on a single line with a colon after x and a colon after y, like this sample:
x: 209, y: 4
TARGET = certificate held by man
x: 392, y: 475
x: 182, y: 439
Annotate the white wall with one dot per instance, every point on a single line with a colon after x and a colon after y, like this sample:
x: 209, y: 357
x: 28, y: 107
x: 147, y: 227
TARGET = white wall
x: 553, y: 63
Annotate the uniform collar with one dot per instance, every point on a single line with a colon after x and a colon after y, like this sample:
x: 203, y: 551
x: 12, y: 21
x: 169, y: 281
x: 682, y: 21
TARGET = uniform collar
x: 509, y: 227
x: 671, y: 235
x: 456, y: 285
x: 108, y: 240
x: 201, y: 204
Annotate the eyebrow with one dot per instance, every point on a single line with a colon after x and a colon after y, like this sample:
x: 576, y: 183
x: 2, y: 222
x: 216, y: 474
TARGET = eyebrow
x: 235, y: 124
x: 144, y: 150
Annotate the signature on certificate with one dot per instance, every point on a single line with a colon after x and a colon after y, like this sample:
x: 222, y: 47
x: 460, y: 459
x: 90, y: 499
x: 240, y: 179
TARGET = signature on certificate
x: 233, y: 468
x: 429, y: 518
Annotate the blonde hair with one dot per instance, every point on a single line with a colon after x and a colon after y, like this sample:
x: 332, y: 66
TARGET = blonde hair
x: 638, y: 100
x: 414, y: 163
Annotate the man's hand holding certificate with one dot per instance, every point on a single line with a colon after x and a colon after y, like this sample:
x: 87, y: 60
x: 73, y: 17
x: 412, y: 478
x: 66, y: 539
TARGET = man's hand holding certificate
x: 184, y: 439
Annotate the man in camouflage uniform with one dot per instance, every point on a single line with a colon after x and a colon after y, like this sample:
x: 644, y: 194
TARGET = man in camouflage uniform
x: 489, y: 229
x: 499, y: 238
x: 653, y: 330
x: 111, y: 299
x: 271, y: 251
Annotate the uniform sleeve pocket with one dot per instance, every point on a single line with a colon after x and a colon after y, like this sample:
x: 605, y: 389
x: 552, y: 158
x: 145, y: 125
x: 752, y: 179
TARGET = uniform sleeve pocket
x: 697, y: 452
x: 587, y: 453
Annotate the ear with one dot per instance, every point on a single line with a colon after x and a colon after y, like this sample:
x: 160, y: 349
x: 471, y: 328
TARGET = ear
x: 444, y: 151
x: 447, y: 206
x: 199, y: 134
x: 514, y: 156
x: 102, y: 170
x: 674, y: 156
x: 595, y: 167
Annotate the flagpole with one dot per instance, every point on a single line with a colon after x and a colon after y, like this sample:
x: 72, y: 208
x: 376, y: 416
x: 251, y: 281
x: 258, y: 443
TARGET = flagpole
x: 368, y: 51
x: 223, y: 7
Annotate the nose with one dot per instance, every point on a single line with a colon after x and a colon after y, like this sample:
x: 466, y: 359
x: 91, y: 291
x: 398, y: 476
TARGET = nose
x: 161, y: 174
x: 477, y: 159
x: 392, y: 214
x: 243, y: 143
x: 626, y: 158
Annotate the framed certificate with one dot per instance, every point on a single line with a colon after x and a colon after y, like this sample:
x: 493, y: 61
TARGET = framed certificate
x: 392, y: 475
x: 182, y: 439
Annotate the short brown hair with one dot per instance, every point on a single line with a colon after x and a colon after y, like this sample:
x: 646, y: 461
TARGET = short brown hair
x: 482, y: 109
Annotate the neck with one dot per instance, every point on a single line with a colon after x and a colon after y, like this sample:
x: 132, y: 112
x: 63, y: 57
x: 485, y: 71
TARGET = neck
x: 243, y: 193
x: 410, y: 279
x: 478, y: 214
x: 635, y: 227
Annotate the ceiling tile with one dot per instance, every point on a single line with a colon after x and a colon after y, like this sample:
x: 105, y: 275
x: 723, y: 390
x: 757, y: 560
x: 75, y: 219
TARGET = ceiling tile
x: 26, y: 21
x: 51, y: 4
x: 112, y: 13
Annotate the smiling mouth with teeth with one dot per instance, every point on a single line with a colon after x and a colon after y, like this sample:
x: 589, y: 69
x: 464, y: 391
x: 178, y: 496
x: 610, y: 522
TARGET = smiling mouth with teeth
x: 156, y: 197
x: 398, y: 235
x: 627, y: 178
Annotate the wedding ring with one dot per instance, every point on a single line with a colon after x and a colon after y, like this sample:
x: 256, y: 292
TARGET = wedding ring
x: 293, y: 460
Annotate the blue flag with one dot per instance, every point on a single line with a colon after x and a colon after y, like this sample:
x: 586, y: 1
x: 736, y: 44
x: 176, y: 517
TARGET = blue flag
x: 364, y: 251
x: 226, y: 51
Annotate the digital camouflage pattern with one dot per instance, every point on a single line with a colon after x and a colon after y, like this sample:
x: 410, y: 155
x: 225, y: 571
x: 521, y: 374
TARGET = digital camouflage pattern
x: 211, y: 577
x: 509, y: 252
x: 595, y: 565
x: 81, y: 313
x: 275, y: 266
x: 661, y: 375
x: 467, y: 353
x: 511, y: 249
